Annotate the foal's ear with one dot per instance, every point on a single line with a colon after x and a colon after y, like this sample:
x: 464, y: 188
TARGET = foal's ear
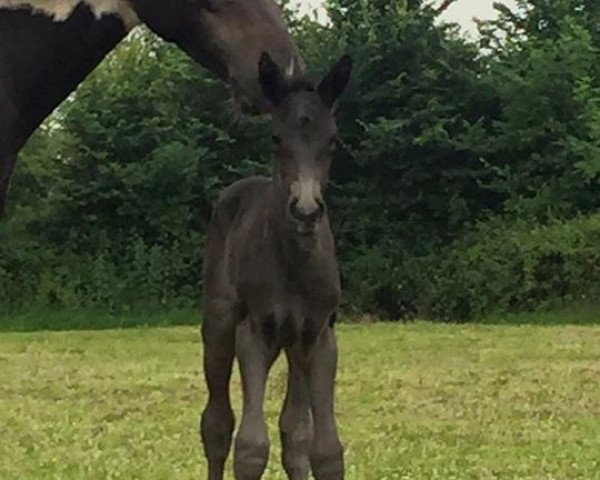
x: 335, y: 82
x: 271, y: 79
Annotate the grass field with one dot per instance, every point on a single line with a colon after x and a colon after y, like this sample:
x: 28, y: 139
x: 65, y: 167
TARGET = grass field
x: 416, y: 401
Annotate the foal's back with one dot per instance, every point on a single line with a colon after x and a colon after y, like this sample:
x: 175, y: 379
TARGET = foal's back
x: 238, y: 222
x: 239, y: 204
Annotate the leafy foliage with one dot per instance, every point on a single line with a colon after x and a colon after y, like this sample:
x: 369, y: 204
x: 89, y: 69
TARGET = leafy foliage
x: 460, y: 162
x: 515, y: 267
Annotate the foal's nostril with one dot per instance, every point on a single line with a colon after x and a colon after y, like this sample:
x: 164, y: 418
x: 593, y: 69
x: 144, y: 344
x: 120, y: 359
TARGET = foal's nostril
x: 307, y: 214
x: 321, y: 205
x: 293, y: 206
x: 294, y: 212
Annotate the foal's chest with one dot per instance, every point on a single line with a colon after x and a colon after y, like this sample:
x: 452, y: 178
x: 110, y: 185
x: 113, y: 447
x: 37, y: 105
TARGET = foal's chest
x: 287, y: 324
x: 289, y: 298
x: 288, y: 315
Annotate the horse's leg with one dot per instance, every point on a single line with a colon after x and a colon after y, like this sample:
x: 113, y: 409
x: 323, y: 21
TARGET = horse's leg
x: 255, y: 358
x: 217, y: 422
x: 7, y: 164
x: 295, y: 423
x: 326, y: 454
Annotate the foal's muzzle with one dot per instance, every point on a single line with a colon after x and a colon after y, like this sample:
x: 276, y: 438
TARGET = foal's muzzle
x: 306, y: 206
x: 310, y: 213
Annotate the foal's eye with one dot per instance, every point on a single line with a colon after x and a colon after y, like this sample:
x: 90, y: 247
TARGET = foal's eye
x: 276, y: 139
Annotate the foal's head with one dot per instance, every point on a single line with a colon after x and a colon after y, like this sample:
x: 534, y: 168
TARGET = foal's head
x: 304, y: 133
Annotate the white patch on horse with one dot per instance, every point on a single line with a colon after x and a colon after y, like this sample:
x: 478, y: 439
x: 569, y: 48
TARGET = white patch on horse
x: 60, y: 10
x: 290, y: 70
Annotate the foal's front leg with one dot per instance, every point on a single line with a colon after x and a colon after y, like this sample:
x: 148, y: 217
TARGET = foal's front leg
x: 295, y: 423
x: 255, y: 358
x: 326, y: 455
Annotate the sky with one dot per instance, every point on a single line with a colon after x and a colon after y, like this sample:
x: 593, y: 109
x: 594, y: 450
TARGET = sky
x: 461, y: 12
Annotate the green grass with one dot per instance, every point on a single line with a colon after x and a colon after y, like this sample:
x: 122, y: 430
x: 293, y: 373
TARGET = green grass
x: 574, y: 315
x: 416, y: 401
x: 35, y: 319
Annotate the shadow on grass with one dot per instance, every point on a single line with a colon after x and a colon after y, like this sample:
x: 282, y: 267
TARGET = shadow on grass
x: 56, y: 320
x: 577, y: 315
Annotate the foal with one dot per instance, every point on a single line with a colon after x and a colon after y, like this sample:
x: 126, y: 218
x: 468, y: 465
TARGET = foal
x: 272, y: 284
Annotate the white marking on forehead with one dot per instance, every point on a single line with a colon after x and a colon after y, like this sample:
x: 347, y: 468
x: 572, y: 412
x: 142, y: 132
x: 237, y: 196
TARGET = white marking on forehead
x: 290, y: 70
x: 60, y: 10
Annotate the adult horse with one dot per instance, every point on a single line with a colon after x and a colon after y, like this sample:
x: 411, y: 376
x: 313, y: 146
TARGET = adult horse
x: 47, y: 47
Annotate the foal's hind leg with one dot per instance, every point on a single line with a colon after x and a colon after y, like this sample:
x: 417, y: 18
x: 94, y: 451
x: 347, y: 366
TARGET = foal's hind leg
x: 295, y: 423
x: 217, y: 422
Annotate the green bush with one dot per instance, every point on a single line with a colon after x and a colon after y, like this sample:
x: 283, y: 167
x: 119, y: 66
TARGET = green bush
x: 152, y: 278
x: 516, y: 266
x: 499, y: 266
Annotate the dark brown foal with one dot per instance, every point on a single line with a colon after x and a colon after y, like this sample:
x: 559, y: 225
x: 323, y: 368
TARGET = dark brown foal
x: 272, y: 284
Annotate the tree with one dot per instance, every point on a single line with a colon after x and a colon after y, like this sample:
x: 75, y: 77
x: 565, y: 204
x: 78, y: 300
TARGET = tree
x: 545, y: 145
